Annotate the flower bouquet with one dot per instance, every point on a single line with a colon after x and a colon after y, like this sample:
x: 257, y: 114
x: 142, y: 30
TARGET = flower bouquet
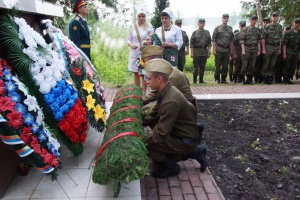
x: 152, y: 39
x: 22, y: 124
x: 43, y: 72
x: 122, y: 156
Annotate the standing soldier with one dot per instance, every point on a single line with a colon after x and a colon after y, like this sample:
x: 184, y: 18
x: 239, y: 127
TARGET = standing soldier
x: 271, y: 47
x: 237, y: 52
x: 200, y: 50
x: 184, y: 50
x: 259, y: 59
x: 250, y: 42
x: 291, y: 53
x: 78, y: 28
x: 222, y: 47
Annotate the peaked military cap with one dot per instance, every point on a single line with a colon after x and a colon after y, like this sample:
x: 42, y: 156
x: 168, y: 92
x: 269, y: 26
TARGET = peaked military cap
x: 159, y: 65
x: 178, y: 21
x: 78, y: 4
x: 274, y: 14
x: 243, y: 23
x: 297, y: 20
x: 266, y: 19
x: 225, y: 15
x: 201, y: 20
x: 253, y: 17
x: 152, y: 50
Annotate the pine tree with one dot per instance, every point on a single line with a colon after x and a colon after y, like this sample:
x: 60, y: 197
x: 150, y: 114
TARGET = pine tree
x: 160, y: 6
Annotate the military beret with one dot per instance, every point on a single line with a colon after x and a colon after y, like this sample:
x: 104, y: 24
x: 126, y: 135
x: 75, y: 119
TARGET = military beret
x: 297, y: 20
x: 236, y: 30
x: 178, y: 21
x: 78, y: 4
x: 266, y: 19
x: 159, y: 65
x: 152, y: 50
x: 253, y: 17
x: 201, y: 20
x: 225, y: 15
x: 243, y: 23
x: 274, y: 14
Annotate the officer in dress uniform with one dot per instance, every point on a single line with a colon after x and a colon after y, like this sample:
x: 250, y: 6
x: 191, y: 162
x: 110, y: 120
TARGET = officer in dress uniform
x: 78, y: 28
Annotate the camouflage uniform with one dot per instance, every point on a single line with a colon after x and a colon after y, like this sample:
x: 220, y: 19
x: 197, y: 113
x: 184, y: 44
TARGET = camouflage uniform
x: 200, y: 43
x: 272, y: 34
x: 251, y: 38
x: 292, y: 43
x: 181, y: 52
x: 223, y: 37
x: 238, y: 51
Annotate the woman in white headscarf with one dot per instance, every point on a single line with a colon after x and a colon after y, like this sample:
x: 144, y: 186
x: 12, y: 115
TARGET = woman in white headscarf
x: 139, y: 32
x: 170, y: 35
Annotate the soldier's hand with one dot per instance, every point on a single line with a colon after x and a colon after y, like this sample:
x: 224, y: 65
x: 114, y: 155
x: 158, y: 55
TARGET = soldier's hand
x: 279, y: 51
x: 264, y: 52
x: 215, y: 52
x: 284, y: 57
x: 243, y: 53
x: 258, y: 53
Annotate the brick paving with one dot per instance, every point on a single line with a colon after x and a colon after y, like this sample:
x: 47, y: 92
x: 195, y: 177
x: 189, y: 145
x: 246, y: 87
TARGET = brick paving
x: 191, y: 184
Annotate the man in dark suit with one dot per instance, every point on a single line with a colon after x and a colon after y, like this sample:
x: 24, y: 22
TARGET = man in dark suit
x: 78, y: 28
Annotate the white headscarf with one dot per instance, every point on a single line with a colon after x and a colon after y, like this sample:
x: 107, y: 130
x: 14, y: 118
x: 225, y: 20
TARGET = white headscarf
x: 169, y: 12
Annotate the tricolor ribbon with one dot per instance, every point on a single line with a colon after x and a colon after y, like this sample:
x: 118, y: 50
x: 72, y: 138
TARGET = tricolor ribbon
x: 46, y: 169
x: 11, y: 140
x: 25, y: 151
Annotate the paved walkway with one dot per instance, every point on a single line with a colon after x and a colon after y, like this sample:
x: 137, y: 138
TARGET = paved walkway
x: 191, y: 184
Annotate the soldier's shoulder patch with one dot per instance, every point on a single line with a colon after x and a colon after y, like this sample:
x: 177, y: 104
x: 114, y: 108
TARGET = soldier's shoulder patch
x: 74, y: 28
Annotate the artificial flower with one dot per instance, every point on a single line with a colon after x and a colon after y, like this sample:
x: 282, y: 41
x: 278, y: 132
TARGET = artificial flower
x: 10, y: 86
x: 39, y: 117
x: 15, y: 97
x: 26, y: 134
x: 90, y: 102
x: 20, y: 108
x: 42, y: 136
x: 7, y: 75
x: 99, y: 112
x: 88, y: 86
x: 45, y: 88
x: 20, y: 85
x: 2, y: 87
x: 31, y: 103
x: 6, y: 104
x: 14, y: 119
x: 77, y: 71
x: 34, y: 128
x: 28, y: 119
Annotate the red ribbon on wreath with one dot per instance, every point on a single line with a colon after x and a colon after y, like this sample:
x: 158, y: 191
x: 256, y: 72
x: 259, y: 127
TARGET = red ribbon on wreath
x: 126, y: 97
x: 122, y: 109
x: 122, y: 121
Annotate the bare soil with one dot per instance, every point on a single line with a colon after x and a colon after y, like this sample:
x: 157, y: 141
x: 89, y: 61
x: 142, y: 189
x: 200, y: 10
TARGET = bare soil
x: 253, y: 147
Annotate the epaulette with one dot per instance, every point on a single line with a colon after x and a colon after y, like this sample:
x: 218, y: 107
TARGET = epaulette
x: 77, y: 18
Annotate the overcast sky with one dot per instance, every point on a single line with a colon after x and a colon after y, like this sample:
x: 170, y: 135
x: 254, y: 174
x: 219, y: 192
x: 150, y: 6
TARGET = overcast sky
x: 200, y: 8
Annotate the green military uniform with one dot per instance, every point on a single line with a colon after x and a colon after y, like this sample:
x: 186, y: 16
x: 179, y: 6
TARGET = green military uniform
x: 177, y: 79
x: 177, y: 120
x: 181, y: 52
x: 292, y: 42
x: 80, y: 35
x: 200, y: 43
x: 250, y: 37
x: 272, y: 34
x: 258, y: 65
x: 223, y: 37
x: 238, y: 52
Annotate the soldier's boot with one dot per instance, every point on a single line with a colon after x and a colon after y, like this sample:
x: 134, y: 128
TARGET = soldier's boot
x: 224, y: 79
x: 255, y: 80
x: 200, y: 155
x: 278, y: 79
x: 231, y: 78
x: 249, y: 79
x: 270, y: 80
x: 297, y: 76
x: 166, y: 168
x: 289, y: 79
x: 239, y: 78
x: 217, y: 77
x: 264, y: 80
x: 284, y: 80
x: 195, y: 79
x: 200, y: 128
x: 234, y: 78
x: 201, y: 79
x: 243, y: 81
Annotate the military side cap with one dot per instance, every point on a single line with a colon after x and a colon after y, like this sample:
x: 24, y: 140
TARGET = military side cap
x: 266, y: 19
x: 78, y: 4
x: 152, y: 50
x: 178, y: 21
x: 274, y: 14
x: 225, y: 15
x: 236, y: 30
x: 201, y: 20
x: 243, y: 23
x: 297, y: 20
x: 253, y: 17
x: 159, y: 65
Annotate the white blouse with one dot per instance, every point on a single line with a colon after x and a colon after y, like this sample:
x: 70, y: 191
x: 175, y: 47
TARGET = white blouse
x: 173, y: 35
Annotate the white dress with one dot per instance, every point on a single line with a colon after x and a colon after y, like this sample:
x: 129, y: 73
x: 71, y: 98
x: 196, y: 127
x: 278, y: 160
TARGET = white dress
x: 173, y: 35
x: 132, y: 37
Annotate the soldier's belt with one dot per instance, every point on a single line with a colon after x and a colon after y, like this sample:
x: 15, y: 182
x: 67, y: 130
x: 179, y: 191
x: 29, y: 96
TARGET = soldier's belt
x: 273, y: 44
x: 226, y: 47
x: 200, y: 46
x: 293, y: 47
x: 251, y: 45
x: 85, y: 46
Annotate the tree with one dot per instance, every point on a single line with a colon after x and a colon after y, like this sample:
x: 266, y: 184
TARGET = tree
x: 160, y: 6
